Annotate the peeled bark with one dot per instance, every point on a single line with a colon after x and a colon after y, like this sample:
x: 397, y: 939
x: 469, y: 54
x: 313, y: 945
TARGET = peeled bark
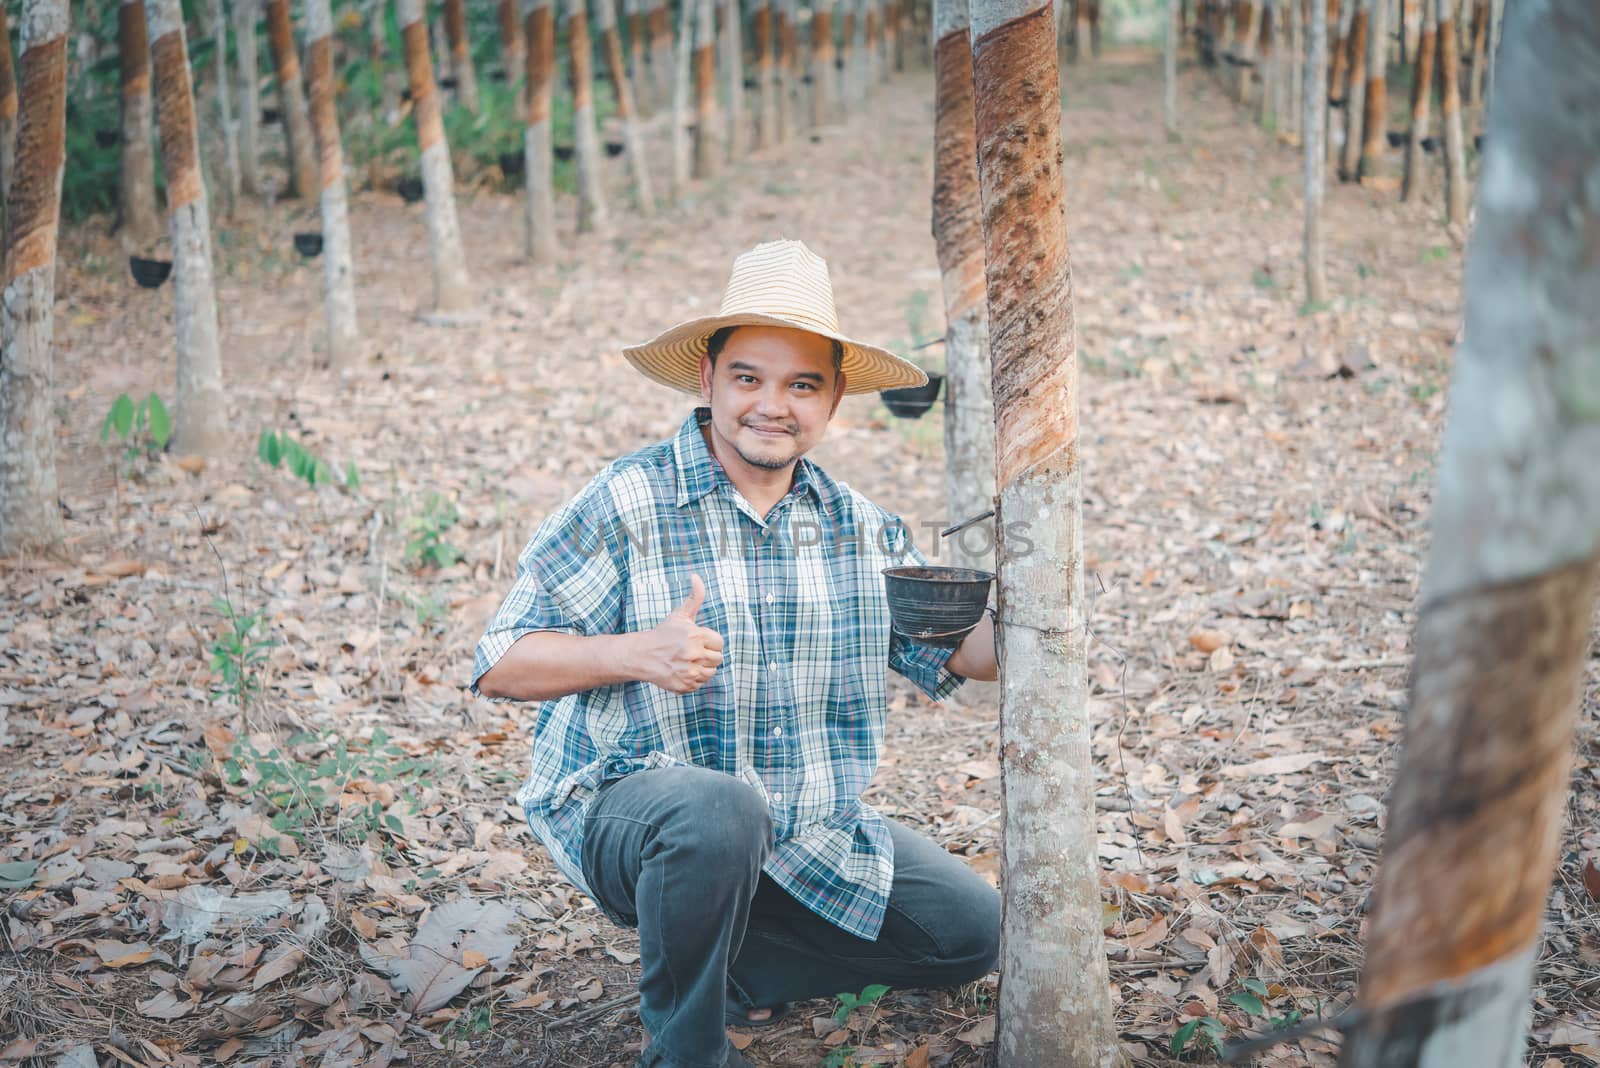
x: 8, y: 118
x: 1054, y: 1002
x: 30, y: 518
x: 338, y: 268
x: 460, y: 44
x: 1169, y: 69
x: 1455, y: 150
x: 663, y: 56
x: 592, y: 214
x: 1092, y: 10
x: 639, y: 79
x: 291, y: 101
x: 244, y: 41
x: 611, y: 41
x: 200, y: 422
x: 1249, y: 30
x: 1375, y: 122
x: 1315, y: 154
x: 513, y: 52
x: 707, y: 140
x: 1414, y: 178
x: 767, y: 115
x: 1355, y: 94
x: 847, y: 55
x: 893, y: 39
x: 451, y: 289
x: 138, y: 217
x: 681, y: 151
x: 872, y: 64
x: 958, y: 234
x: 539, y: 25
x: 733, y: 74
x: 1508, y: 590
x: 822, y: 57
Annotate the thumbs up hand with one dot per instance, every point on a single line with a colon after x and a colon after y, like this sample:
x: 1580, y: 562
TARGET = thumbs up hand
x: 679, y: 654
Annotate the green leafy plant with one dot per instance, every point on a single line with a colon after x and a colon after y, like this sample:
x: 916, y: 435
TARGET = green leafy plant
x: 426, y: 547
x: 141, y: 429
x: 1435, y: 254
x: 237, y: 654
x: 280, y: 450
x: 1262, y: 279
x: 1201, y: 1032
x: 848, y: 1003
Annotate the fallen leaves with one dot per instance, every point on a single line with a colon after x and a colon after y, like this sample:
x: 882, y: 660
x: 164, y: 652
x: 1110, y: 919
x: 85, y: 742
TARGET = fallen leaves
x: 432, y: 973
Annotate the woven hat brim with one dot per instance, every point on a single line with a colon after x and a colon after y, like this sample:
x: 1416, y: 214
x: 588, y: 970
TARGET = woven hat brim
x: 673, y: 358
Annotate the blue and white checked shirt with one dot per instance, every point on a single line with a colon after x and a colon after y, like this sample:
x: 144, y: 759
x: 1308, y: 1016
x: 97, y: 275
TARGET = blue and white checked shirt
x: 797, y: 708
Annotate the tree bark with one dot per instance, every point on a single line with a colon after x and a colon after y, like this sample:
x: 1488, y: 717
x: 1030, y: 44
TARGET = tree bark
x: 338, y: 268
x: 783, y: 37
x: 1316, y: 113
x: 459, y: 39
x: 592, y: 214
x: 733, y: 75
x: 1054, y: 1002
x: 1455, y: 151
x: 291, y: 101
x: 707, y: 139
x: 663, y: 56
x: 245, y: 13
x: 611, y: 42
x: 767, y: 114
x: 1414, y: 178
x: 451, y: 289
x: 1297, y: 52
x: 200, y: 422
x: 1375, y: 121
x: 958, y: 234
x: 230, y: 129
x: 685, y: 52
x: 8, y: 120
x: 513, y: 54
x: 138, y: 217
x: 1169, y: 70
x: 640, y: 81
x: 1478, y: 51
x: 30, y: 517
x: 1355, y: 93
x: 1092, y: 9
x: 1508, y: 588
x: 539, y: 25
x: 822, y: 58
x: 846, y: 63
x: 1249, y: 32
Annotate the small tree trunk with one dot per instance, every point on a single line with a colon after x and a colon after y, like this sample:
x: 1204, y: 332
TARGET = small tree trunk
x: 244, y: 40
x: 592, y: 214
x: 685, y: 52
x: 230, y: 129
x: 1414, y: 178
x: 1496, y: 13
x: 1297, y: 52
x: 138, y: 217
x: 1478, y: 51
x: 30, y: 517
x: 338, y: 269
x: 767, y: 115
x: 1315, y: 154
x: 1267, y: 65
x: 707, y: 140
x: 8, y: 120
x: 292, y: 101
x: 1249, y: 27
x: 822, y: 58
x: 1092, y: 7
x: 639, y: 77
x: 1054, y: 1003
x: 611, y: 42
x: 1375, y: 122
x: 513, y: 55
x: 663, y: 56
x: 893, y: 40
x: 1455, y: 151
x: 451, y: 289
x: 1508, y: 591
x: 783, y: 77
x: 871, y: 66
x: 1169, y: 69
x: 201, y: 421
x: 1341, y: 13
x: 733, y: 75
x: 847, y: 55
x: 539, y: 25
x: 958, y: 234
x: 460, y: 42
x: 1355, y: 94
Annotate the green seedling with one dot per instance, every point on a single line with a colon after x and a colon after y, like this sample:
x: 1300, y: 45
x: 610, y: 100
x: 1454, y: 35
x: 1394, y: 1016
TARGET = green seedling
x: 237, y: 655
x: 848, y: 1003
x: 141, y: 430
x: 426, y: 547
x: 280, y: 450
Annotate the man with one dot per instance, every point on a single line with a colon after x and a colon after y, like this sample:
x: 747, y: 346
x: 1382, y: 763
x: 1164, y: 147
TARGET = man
x: 707, y: 628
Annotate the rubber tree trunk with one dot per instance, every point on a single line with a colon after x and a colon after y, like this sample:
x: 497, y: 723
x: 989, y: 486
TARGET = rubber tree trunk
x: 1508, y: 589
x: 592, y: 214
x: 338, y: 268
x: 8, y: 118
x: 707, y: 138
x: 539, y: 26
x: 451, y: 289
x: 767, y: 111
x: 1249, y: 30
x: 783, y: 77
x: 1355, y: 93
x: 230, y: 129
x: 1054, y: 1002
x: 513, y: 54
x: 822, y: 58
x: 1455, y: 150
x: 200, y: 421
x: 291, y: 101
x: 1268, y: 56
x: 663, y: 56
x: 244, y: 15
x: 605, y: 21
x: 30, y: 518
x: 1478, y: 50
x: 1341, y: 20
x: 1297, y: 55
x: 958, y: 235
x: 681, y: 61
x: 733, y: 75
x: 1414, y: 179
x: 639, y: 79
x: 1375, y: 121
x: 1092, y: 10
x: 1169, y: 69
x: 846, y: 63
x: 138, y: 217
x: 1316, y: 155
x: 459, y: 40
x: 894, y: 55
x: 872, y: 65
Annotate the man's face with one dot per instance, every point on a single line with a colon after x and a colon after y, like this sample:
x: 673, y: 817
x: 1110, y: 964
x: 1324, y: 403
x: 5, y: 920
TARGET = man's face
x: 771, y: 393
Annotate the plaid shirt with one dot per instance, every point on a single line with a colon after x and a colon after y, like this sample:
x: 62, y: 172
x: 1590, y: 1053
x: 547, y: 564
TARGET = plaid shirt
x: 797, y: 708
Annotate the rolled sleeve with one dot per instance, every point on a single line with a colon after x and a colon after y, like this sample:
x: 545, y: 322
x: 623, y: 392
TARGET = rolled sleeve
x: 569, y: 579
x: 923, y: 664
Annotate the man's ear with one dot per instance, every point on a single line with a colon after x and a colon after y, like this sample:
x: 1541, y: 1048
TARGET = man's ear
x: 707, y: 368
x: 838, y: 393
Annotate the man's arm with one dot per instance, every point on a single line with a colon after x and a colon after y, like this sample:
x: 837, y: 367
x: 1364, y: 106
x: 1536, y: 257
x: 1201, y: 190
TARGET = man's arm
x: 974, y: 658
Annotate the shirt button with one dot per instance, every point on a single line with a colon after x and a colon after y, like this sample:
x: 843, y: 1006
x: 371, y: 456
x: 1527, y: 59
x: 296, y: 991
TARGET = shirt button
x: 770, y: 598
x: 777, y: 797
x: 777, y: 732
x: 772, y: 665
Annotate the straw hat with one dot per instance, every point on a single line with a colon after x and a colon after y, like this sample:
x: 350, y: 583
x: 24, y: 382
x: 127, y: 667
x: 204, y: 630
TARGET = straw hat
x: 779, y: 283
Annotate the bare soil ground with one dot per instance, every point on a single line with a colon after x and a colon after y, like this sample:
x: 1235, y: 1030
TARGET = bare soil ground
x: 1255, y: 523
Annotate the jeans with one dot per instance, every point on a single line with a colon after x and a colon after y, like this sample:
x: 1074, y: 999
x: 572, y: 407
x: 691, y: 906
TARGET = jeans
x: 677, y: 852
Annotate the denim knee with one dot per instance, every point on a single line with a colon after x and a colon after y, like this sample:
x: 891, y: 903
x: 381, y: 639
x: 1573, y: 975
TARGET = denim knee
x: 716, y: 817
